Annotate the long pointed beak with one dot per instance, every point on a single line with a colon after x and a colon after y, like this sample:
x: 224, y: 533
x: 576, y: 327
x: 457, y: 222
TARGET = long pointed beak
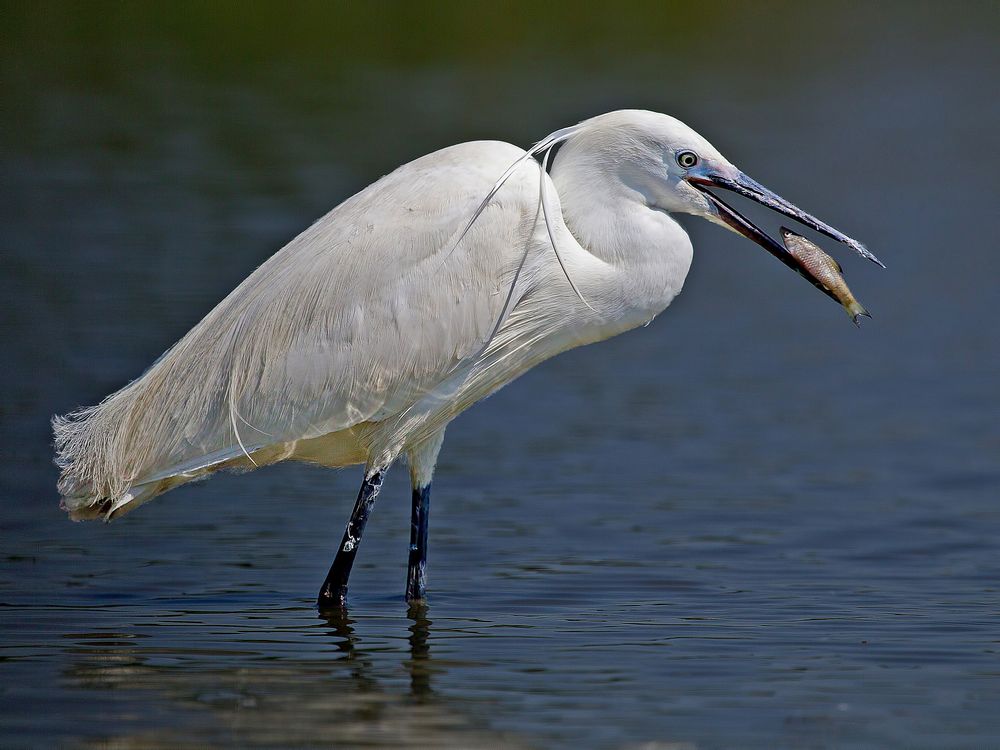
x: 752, y: 189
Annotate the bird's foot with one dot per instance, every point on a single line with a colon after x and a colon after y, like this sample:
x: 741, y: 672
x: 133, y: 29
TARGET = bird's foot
x: 332, y: 597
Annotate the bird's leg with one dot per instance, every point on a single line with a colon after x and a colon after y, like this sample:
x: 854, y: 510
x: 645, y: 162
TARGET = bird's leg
x: 422, y: 458
x: 334, y: 590
x: 416, y: 574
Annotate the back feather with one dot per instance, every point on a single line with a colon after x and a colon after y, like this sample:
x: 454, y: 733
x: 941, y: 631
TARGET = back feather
x: 351, y: 322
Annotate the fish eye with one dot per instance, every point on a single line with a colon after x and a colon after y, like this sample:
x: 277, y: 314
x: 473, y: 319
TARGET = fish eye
x: 687, y: 159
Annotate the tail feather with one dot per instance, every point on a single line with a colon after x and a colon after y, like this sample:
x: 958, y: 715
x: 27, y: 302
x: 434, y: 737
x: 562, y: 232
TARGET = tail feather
x: 106, y: 475
x: 90, y: 507
x: 96, y: 472
x: 119, y: 454
x: 107, y: 453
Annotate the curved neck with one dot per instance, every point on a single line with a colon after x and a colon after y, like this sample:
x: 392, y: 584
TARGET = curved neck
x: 612, y: 221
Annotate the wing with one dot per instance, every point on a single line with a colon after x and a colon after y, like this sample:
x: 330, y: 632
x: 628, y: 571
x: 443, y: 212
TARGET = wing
x: 350, y: 322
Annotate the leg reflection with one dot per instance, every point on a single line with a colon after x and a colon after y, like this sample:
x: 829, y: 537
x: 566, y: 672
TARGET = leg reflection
x: 342, y: 628
x: 419, y: 665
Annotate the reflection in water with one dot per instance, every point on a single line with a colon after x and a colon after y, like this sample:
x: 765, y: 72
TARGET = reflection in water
x: 419, y: 664
x: 342, y: 628
x: 269, y: 699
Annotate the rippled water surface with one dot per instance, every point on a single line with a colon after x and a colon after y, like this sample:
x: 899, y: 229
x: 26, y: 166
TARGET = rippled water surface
x: 747, y: 525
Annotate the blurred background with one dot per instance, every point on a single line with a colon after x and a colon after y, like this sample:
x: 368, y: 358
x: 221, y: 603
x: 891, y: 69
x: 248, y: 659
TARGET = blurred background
x: 749, y: 524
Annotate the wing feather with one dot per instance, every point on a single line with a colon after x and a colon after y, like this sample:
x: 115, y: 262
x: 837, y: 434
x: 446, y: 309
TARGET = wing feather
x: 352, y: 321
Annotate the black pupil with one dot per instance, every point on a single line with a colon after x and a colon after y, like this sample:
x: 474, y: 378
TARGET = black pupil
x: 688, y: 159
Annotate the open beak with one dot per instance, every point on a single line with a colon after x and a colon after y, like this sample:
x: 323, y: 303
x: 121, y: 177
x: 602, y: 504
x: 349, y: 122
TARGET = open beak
x: 752, y: 189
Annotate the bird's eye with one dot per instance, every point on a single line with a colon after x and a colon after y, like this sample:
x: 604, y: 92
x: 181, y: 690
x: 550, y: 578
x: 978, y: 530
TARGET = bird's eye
x: 687, y: 159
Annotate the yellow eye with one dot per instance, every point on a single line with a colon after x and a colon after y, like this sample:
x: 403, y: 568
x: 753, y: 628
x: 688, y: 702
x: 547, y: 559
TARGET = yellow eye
x: 687, y: 159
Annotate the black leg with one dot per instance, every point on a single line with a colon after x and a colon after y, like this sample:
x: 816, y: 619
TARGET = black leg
x: 416, y: 575
x: 334, y: 590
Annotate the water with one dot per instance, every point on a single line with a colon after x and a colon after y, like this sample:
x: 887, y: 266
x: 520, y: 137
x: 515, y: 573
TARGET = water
x: 748, y: 525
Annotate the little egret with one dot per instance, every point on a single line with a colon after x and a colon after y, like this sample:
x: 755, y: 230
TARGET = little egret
x: 361, y: 339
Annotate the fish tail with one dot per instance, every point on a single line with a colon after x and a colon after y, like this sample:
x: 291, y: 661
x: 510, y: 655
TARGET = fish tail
x: 855, y: 310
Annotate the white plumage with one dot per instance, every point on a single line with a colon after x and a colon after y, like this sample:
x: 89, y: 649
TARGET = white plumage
x: 410, y: 301
x: 361, y: 337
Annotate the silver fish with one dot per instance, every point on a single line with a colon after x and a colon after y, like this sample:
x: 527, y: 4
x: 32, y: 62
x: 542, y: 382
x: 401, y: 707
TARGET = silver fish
x: 823, y: 269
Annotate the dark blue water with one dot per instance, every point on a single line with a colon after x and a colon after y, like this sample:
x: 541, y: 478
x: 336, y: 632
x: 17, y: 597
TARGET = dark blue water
x: 747, y: 525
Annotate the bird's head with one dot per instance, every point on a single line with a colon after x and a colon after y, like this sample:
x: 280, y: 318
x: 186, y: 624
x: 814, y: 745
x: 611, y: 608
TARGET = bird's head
x: 674, y: 169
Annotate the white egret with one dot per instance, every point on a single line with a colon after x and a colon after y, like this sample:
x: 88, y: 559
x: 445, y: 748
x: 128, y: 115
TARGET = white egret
x: 361, y: 339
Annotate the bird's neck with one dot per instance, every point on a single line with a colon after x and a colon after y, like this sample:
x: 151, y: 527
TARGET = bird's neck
x: 649, y: 251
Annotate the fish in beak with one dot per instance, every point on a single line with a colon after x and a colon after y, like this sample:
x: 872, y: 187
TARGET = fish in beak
x: 750, y: 188
x: 824, y: 269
